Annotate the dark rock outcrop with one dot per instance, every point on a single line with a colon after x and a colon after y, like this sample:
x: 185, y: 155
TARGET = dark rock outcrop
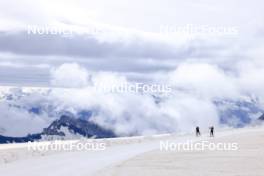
x: 261, y: 117
x: 77, y: 126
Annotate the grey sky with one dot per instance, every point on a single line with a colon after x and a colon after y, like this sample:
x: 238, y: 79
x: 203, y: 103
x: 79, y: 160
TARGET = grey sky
x: 130, y: 38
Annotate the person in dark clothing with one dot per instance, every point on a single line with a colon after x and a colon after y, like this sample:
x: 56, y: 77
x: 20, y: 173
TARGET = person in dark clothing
x: 198, y: 131
x: 211, y: 131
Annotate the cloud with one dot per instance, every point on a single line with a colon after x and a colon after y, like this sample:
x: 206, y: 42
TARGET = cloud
x: 196, y: 86
x: 16, y: 119
x: 127, y: 46
x: 188, y: 111
x: 69, y: 75
x: 205, y: 79
x: 250, y: 79
x: 134, y: 113
x: 17, y: 122
x: 86, y: 46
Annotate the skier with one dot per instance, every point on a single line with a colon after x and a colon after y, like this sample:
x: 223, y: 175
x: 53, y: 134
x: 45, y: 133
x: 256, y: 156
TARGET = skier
x: 198, y: 131
x: 211, y: 131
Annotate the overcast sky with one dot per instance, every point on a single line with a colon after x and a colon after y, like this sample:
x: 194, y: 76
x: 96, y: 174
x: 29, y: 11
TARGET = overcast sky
x: 127, y: 37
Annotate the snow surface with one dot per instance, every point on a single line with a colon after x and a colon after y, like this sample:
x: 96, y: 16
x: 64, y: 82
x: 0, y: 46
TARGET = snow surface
x: 17, y: 160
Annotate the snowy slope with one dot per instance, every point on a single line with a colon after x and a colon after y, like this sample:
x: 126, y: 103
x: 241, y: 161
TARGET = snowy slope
x: 85, y: 163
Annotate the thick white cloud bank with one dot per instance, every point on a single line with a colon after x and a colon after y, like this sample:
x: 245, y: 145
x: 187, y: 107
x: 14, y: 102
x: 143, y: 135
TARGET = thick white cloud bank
x: 126, y: 113
x: 207, y: 80
x: 195, y: 88
x: 69, y: 75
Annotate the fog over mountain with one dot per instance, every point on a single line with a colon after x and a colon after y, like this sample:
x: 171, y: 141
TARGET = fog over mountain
x: 194, y: 100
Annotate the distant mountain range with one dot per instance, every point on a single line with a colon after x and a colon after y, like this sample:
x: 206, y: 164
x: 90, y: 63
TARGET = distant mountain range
x: 72, y: 122
x: 238, y: 113
x: 67, y: 127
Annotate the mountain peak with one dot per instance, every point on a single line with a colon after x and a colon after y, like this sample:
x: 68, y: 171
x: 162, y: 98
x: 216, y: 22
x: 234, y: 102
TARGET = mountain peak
x: 261, y: 117
x: 77, y: 126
